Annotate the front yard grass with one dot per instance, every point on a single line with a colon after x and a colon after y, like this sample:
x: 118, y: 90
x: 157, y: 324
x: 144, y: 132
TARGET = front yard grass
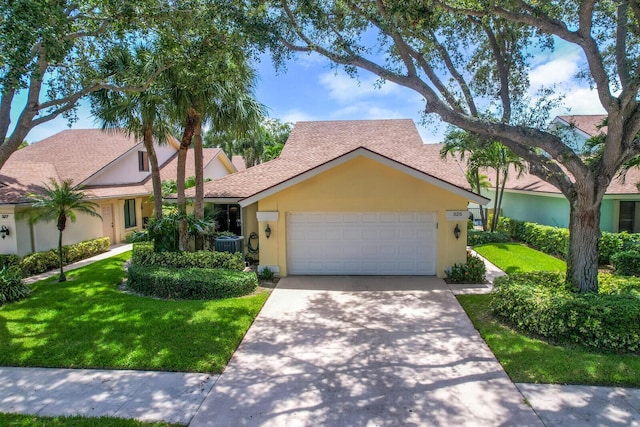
x: 19, y: 420
x: 519, y: 258
x: 87, y: 322
x: 531, y: 360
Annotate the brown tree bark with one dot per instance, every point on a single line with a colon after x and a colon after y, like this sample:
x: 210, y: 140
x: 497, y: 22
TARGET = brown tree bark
x: 198, y: 208
x: 187, y: 136
x: 155, y: 170
x: 582, y: 255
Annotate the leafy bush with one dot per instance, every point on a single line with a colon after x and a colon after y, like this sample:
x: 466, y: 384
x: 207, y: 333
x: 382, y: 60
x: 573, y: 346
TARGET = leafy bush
x: 11, y: 286
x: 555, y: 241
x: 190, y: 283
x: 472, y: 272
x: 40, y: 262
x: 144, y: 255
x: 626, y: 263
x: 479, y: 237
x: 266, y: 274
x: 612, y: 243
x: 9, y: 260
x: 540, y: 304
x: 137, y: 236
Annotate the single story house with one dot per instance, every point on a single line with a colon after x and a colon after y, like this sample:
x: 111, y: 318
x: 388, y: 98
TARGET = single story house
x: 528, y: 198
x: 114, y: 169
x: 353, y: 198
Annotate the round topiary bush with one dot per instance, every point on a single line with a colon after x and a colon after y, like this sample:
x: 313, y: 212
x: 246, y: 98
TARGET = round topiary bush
x: 190, y: 283
x: 541, y: 305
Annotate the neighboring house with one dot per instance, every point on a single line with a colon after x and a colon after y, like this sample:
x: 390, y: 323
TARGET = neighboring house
x: 529, y: 198
x: 353, y: 197
x: 114, y: 170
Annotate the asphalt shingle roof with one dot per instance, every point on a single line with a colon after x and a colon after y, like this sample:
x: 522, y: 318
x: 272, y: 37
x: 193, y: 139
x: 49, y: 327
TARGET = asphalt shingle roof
x: 312, y: 144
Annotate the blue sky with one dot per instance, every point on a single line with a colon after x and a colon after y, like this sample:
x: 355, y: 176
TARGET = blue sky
x: 311, y: 90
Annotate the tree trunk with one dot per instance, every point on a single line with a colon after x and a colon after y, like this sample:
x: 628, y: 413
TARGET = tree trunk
x: 198, y: 208
x: 187, y: 136
x: 62, y: 277
x: 582, y: 256
x: 496, y: 213
x: 155, y: 170
x: 495, y: 203
x: 483, y: 218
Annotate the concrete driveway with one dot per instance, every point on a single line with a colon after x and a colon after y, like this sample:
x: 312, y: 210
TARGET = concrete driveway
x: 363, y: 351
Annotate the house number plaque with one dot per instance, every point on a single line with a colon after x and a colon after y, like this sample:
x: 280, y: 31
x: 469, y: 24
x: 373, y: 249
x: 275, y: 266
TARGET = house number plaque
x: 457, y: 215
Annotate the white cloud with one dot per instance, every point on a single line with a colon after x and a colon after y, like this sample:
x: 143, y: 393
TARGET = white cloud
x: 296, y: 115
x: 345, y: 89
x: 558, y: 71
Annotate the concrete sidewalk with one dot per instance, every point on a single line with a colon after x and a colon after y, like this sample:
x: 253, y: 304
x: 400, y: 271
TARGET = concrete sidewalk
x: 113, y: 251
x: 148, y: 396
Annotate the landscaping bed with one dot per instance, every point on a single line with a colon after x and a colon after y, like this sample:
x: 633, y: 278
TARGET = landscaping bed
x: 542, y: 332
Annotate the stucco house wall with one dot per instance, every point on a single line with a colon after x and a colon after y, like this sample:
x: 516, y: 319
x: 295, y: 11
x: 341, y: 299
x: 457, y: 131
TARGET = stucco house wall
x: 363, y: 185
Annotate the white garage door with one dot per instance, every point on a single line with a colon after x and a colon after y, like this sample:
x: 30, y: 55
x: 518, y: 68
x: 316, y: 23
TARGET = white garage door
x: 371, y: 243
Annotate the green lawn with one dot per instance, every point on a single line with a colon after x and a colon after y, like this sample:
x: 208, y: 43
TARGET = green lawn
x: 534, y: 361
x: 19, y: 420
x: 87, y: 323
x: 519, y: 258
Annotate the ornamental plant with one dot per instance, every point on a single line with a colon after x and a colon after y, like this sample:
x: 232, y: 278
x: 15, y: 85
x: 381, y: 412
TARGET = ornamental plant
x: 473, y: 271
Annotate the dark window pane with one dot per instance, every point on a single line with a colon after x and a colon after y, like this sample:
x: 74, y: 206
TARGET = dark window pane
x: 129, y: 213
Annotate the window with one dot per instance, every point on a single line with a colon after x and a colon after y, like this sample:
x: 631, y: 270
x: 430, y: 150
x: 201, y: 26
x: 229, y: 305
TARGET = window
x: 143, y: 161
x: 629, y: 217
x: 129, y: 213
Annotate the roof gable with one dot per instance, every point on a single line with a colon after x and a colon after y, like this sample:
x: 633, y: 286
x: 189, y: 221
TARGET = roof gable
x: 313, y: 146
x: 370, y: 155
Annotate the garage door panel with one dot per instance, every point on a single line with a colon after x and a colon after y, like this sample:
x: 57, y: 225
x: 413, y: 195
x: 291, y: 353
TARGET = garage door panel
x: 361, y: 243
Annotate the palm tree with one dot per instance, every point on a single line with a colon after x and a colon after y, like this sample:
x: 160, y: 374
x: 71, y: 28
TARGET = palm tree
x: 140, y: 114
x: 483, y: 154
x: 221, y: 97
x: 58, y: 202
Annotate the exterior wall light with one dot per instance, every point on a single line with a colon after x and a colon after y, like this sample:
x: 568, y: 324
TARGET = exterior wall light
x: 4, y: 231
x: 456, y: 232
x: 267, y: 231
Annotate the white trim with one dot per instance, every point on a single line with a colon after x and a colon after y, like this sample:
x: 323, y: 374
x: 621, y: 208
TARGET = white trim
x: 370, y: 155
x: 267, y: 216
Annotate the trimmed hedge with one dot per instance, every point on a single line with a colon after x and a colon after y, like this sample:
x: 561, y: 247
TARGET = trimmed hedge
x: 190, y: 283
x: 539, y: 304
x: 11, y: 286
x: 479, y: 237
x: 40, y: 262
x: 555, y: 241
x: 626, y: 263
x: 547, y: 239
x: 144, y: 255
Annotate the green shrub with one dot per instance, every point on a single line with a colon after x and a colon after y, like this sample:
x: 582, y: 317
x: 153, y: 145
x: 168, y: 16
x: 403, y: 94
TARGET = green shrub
x: 472, y: 272
x: 611, y: 284
x: 479, y: 237
x: 266, y: 274
x: 11, y: 286
x: 144, y: 255
x: 626, y: 263
x: 40, y: 262
x: 9, y: 260
x: 190, y: 283
x: 612, y: 243
x: 137, y: 236
x: 555, y: 241
x: 541, y: 305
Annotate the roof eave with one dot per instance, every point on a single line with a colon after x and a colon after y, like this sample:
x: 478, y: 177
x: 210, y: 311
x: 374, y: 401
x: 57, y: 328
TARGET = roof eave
x: 473, y: 197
